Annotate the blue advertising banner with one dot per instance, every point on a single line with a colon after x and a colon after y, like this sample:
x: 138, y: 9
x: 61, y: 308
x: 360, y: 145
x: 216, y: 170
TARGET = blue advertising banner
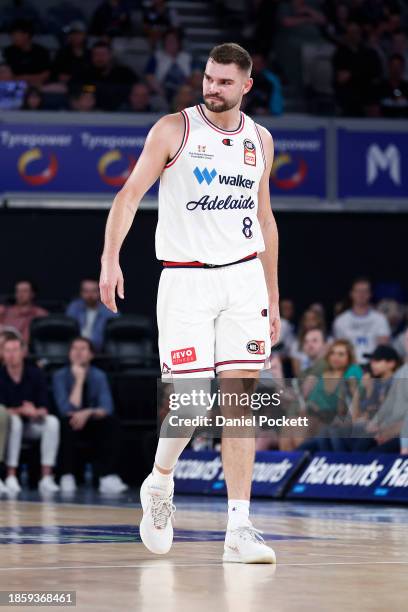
x: 68, y: 158
x: 299, y: 167
x: 353, y: 476
x: 372, y: 164
x: 201, y: 472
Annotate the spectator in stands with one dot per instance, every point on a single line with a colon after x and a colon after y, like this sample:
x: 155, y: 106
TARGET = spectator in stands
x: 84, y: 401
x: 265, y: 97
x: 394, y: 312
x: 391, y: 96
x: 287, y: 310
x: 338, y: 16
x: 157, y: 19
x: 112, y: 17
x: 4, y: 426
x: 399, y: 46
x: 169, y: 67
x: 141, y: 100
x: 18, y: 10
x: 83, y: 98
x: 23, y: 391
x: 74, y: 55
x: 332, y: 392
x: 361, y: 324
x: 357, y: 71
x: 300, y: 23
x: 7, y: 333
x: 314, y: 348
x: 184, y: 98
x: 387, y: 424
x: 196, y: 82
x: 33, y: 99
x: 310, y: 320
x: 404, y: 437
x: 29, y: 61
x: 112, y: 80
x: 24, y: 310
x: 90, y: 313
x: 401, y: 345
x: 6, y: 73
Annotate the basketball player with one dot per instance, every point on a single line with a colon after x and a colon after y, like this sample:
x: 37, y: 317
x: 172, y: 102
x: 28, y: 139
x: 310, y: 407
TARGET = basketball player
x: 217, y: 306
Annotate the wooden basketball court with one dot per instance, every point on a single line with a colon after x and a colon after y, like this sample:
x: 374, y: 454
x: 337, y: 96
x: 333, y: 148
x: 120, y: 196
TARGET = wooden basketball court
x: 330, y: 556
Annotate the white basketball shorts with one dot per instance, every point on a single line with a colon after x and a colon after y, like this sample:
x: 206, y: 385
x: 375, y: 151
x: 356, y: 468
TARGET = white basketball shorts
x: 213, y: 319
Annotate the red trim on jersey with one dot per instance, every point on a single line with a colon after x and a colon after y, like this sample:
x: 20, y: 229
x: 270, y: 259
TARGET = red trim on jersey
x: 218, y: 363
x: 260, y: 142
x: 216, y: 128
x: 191, y: 371
x: 199, y: 264
x: 183, y: 142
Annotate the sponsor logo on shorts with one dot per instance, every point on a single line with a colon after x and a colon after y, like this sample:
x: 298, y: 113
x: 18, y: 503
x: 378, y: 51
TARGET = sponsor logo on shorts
x: 256, y: 347
x: 264, y: 312
x: 166, y: 369
x: 185, y: 355
x: 249, y: 152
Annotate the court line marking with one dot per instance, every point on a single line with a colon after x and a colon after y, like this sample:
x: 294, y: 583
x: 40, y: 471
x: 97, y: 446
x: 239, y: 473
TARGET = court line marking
x: 171, y: 565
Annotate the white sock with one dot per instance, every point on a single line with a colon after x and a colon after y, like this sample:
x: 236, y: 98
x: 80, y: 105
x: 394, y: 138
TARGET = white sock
x: 238, y: 512
x: 163, y: 482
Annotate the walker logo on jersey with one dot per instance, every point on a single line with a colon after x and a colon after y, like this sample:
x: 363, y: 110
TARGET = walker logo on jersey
x: 31, y: 167
x: 236, y: 181
x: 256, y: 347
x: 384, y: 160
x: 185, y: 355
x: 227, y: 142
x: 204, y: 175
x: 293, y: 174
x: 249, y: 152
x: 114, y: 168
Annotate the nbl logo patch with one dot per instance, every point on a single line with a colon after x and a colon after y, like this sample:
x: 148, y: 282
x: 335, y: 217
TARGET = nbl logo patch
x: 249, y: 152
x: 256, y: 347
x: 185, y: 355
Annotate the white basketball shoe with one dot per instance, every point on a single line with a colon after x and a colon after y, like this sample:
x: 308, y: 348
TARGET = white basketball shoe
x: 244, y: 544
x: 156, y: 528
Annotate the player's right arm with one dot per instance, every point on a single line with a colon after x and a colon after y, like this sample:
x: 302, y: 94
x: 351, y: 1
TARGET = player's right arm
x: 161, y: 144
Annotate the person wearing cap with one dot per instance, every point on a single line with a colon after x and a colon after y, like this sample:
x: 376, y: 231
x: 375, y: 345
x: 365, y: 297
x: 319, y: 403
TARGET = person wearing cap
x: 390, y: 421
x: 74, y: 55
x: 29, y: 61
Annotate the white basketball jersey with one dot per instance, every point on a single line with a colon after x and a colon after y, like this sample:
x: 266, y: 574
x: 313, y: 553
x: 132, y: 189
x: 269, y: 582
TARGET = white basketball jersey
x: 208, y: 195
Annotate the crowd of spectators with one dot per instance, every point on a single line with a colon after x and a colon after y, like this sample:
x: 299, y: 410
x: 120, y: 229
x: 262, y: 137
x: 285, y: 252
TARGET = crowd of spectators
x: 366, y: 42
x: 349, y: 376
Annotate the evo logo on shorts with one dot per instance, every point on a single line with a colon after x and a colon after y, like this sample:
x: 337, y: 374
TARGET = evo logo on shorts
x: 185, y: 355
x: 256, y: 347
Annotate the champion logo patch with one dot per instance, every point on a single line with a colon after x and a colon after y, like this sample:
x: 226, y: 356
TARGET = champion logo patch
x: 185, y: 355
x: 227, y: 142
x: 256, y: 347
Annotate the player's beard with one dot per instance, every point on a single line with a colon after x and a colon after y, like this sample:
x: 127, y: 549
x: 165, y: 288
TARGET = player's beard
x: 219, y: 105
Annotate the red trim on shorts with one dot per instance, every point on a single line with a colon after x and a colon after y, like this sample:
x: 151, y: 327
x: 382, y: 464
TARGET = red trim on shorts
x: 199, y: 264
x: 183, y: 142
x: 195, y: 370
x: 240, y: 361
x: 216, y: 128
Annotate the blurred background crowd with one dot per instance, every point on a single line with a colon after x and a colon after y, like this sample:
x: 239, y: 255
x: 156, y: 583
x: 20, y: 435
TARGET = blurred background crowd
x: 327, y: 57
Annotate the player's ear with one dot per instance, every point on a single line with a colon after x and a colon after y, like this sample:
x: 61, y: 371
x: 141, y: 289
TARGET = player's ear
x: 248, y: 85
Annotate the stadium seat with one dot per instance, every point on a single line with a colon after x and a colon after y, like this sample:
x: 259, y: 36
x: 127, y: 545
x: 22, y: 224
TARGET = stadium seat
x: 128, y: 340
x: 50, y: 337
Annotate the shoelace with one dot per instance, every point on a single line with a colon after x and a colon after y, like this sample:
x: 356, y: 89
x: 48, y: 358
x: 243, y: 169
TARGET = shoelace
x: 248, y: 532
x: 162, y: 509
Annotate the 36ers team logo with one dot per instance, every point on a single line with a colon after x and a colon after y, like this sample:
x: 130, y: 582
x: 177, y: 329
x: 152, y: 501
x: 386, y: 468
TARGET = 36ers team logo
x: 256, y: 347
x: 249, y: 152
x: 185, y: 355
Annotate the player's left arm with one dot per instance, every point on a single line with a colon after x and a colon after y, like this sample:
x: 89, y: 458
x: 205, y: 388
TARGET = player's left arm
x: 269, y: 257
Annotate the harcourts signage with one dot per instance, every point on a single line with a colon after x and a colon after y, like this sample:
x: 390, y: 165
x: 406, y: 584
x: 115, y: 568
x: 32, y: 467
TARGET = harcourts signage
x: 201, y: 472
x: 353, y: 476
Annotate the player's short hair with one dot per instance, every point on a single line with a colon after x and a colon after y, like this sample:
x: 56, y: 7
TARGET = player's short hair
x: 231, y: 53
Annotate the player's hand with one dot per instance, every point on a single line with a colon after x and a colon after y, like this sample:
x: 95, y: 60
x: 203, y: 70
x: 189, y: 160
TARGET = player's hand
x: 274, y: 323
x: 110, y: 282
